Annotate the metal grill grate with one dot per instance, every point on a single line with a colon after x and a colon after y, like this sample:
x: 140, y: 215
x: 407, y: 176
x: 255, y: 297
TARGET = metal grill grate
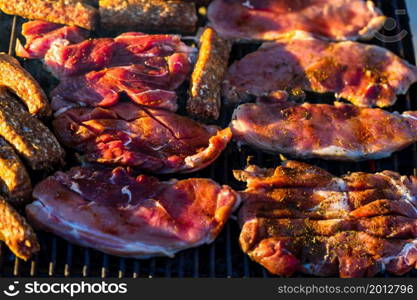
x: 223, y: 258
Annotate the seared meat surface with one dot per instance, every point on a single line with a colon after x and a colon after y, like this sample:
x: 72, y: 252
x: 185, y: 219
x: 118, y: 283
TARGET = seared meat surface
x: 340, y: 131
x: 139, y: 217
x: 69, y: 12
x: 96, y: 72
x: 207, y: 77
x: 20, y: 82
x: 16, y: 232
x: 15, y: 182
x: 152, y: 140
x: 148, y: 15
x: 299, y: 218
x: 365, y: 75
x: 268, y: 19
x: 31, y: 139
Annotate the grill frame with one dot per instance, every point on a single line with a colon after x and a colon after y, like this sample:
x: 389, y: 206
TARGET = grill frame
x: 223, y: 258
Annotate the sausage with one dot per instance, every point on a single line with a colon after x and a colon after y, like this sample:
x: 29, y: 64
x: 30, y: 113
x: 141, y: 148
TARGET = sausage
x: 14, y: 180
x: 20, y: 82
x: 69, y: 12
x: 205, y: 92
x: 148, y: 15
x: 16, y: 232
x: 31, y: 139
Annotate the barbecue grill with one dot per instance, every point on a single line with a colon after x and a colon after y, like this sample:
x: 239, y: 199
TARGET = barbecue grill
x: 223, y: 258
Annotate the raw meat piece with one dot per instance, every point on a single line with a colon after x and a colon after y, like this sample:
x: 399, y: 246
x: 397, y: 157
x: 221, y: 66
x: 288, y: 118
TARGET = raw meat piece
x: 365, y: 75
x: 140, y: 217
x: 268, y: 19
x: 152, y: 140
x: 299, y: 218
x: 340, y: 131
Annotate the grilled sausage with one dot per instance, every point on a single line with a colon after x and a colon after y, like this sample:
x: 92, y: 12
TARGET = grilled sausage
x: 205, y: 97
x: 30, y: 138
x: 69, y: 12
x: 16, y: 232
x: 20, y: 82
x: 14, y: 179
x: 148, y: 15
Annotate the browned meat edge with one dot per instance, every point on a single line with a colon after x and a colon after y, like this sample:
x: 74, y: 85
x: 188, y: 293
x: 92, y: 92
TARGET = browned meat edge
x: 16, y: 233
x: 19, y: 81
x: 69, y: 12
x: 148, y: 15
x: 14, y: 180
x: 30, y: 137
x: 205, y: 92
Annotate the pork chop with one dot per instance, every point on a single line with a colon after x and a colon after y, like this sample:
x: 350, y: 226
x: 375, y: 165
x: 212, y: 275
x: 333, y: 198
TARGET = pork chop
x: 268, y: 19
x: 339, y: 132
x: 299, y: 218
x: 140, y: 217
x: 152, y: 140
x: 366, y: 75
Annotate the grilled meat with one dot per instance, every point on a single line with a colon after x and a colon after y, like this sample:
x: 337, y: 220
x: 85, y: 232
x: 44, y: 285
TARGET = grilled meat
x: 147, y: 68
x: 148, y: 15
x: 19, y: 81
x: 299, y: 218
x: 14, y: 180
x: 32, y: 140
x: 205, y: 91
x: 69, y: 12
x: 134, y: 217
x: 340, y: 131
x: 366, y: 75
x: 268, y: 19
x: 152, y: 140
x: 41, y: 36
x: 16, y: 233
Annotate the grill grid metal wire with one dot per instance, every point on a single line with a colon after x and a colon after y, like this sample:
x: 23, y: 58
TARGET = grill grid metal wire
x: 223, y: 258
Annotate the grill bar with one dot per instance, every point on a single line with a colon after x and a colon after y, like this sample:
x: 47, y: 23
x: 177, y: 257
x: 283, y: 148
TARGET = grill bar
x: 223, y: 258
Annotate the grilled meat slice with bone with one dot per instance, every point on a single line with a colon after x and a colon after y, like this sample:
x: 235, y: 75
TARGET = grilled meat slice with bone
x: 365, y: 75
x: 20, y: 82
x: 152, y: 140
x: 69, y: 12
x: 41, y: 35
x: 148, y: 15
x: 140, y: 217
x: 16, y: 233
x: 31, y: 139
x: 300, y: 218
x: 269, y: 19
x: 339, y: 132
x: 96, y: 72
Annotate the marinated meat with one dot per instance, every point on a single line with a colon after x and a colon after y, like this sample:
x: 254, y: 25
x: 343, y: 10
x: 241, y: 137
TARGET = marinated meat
x: 41, y: 35
x: 140, y: 217
x: 19, y: 81
x: 148, y: 15
x: 268, y: 19
x: 152, y: 140
x: 147, y: 68
x: 14, y: 180
x: 16, y: 233
x: 153, y: 86
x: 340, y: 131
x: 209, y: 71
x: 299, y: 218
x: 366, y: 75
x: 31, y: 139
x: 69, y: 12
